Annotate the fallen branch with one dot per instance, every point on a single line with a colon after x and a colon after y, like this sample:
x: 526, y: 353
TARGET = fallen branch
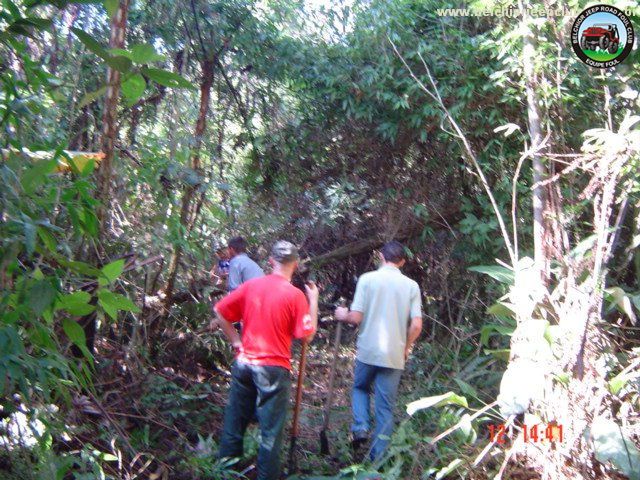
x: 348, y: 250
x: 80, y: 159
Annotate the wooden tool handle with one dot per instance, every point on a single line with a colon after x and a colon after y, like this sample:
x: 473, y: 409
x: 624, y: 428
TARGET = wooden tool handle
x: 301, y: 369
x: 332, y: 376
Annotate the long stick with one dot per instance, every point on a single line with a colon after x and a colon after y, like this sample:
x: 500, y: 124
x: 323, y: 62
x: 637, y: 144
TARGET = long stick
x: 435, y: 95
x: 324, y: 441
x: 296, y: 410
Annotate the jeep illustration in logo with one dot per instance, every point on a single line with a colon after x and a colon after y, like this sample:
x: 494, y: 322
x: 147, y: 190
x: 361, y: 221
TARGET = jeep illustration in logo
x: 602, y: 36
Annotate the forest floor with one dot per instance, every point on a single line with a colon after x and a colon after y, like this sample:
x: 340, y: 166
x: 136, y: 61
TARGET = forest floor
x: 167, y: 412
x: 161, y: 419
x: 171, y: 413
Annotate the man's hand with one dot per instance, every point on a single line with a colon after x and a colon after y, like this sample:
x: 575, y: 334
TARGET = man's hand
x: 214, y: 324
x: 407, y: 351
x: 312, y: 291
x: 229, y: 331
x: 341, y: 314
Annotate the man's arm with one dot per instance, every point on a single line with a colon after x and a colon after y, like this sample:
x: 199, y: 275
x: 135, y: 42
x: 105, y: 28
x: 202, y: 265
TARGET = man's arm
x: 353, y: 317
x: 229, y: 332
x: 213, y: 273
x: 415, y: 327
x: 412, y: 334
x: 358, y: 306
x: 235, y: 277
x: 312, y: 295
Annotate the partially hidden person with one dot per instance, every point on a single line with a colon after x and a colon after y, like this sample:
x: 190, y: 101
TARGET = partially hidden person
x: 220, y: 271
x: 387, y: 308
x: 273, y: 312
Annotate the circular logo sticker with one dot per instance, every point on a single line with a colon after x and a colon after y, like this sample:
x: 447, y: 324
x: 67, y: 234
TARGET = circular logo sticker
x: 602, y: 36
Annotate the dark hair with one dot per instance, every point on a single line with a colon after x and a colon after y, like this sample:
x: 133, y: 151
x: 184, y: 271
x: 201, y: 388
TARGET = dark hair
x: 238, y: 244
x: 393, y: 251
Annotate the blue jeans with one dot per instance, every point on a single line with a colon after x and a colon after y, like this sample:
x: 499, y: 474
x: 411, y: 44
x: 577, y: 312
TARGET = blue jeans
x: 261, y: 391
x: 385, y: 383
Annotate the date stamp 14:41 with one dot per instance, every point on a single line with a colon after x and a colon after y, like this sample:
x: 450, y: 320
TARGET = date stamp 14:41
x: 552, y: 432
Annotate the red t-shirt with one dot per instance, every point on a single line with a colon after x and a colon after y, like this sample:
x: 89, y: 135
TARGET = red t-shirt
x: 272, y: 312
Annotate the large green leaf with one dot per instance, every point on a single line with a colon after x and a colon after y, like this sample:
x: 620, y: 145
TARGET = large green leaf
x: 144, y: 53
x: 40, y: 296
x: 24, y: 26
x: 611, y: 445
x: 166, y: 78
x: 30, y: 233
x: 466, y: 388
x: 117, y: 62
x: 120, y: 63
x: 500, y: 353
x: 111, y: 6
x: 92, y: 44
x: 110, y: 272
x: 449, y: 398
x: 36, y: 174
x: 502, y: 274
x: 90, y: 222
x: 76, y: 303
x: 77, y: 266
x: 133, y: 88
x: 618, y: 382
x: 75, y: 333
x: 92, y: 96
x: 47, y: 239
x: 487, y: 330
x: 112, y: 302
x: 502, y: 310
x: 622, y: 300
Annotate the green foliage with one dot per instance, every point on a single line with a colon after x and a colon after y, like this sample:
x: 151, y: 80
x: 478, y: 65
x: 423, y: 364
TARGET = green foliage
x: 175, y: 404
x: 613, y: 446
x: 127, y: 61
x: 31, y: 305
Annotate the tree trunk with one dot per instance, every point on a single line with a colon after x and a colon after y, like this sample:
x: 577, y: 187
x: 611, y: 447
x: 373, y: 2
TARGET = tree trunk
x: 190, y: 190
x: 535, y: 131
x: 134, y: 122
x: 572, y: 307
x: 578, y: 400
x: 109, y: 117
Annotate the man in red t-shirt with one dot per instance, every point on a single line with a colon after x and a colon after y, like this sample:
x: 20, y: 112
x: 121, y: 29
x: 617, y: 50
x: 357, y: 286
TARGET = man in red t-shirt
x: 272, y: 312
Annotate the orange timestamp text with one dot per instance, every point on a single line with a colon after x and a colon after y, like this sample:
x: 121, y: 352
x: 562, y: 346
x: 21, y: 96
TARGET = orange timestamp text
x: 551, y: 432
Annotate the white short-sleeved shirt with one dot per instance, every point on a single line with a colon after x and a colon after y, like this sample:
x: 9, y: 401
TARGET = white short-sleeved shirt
x: 388, y: 300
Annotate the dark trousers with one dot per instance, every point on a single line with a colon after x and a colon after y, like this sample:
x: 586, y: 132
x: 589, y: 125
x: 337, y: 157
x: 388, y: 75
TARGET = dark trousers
x: 262, y: 392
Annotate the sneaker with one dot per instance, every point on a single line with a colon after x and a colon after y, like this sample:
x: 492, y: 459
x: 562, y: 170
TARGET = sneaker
x: 359, y: 443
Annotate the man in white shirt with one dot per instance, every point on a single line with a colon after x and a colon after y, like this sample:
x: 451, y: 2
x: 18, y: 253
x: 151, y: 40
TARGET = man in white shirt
x: 387, y: 308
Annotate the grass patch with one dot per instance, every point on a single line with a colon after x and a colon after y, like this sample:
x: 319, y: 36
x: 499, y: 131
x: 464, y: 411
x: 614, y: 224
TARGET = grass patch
x: 602, y: 56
